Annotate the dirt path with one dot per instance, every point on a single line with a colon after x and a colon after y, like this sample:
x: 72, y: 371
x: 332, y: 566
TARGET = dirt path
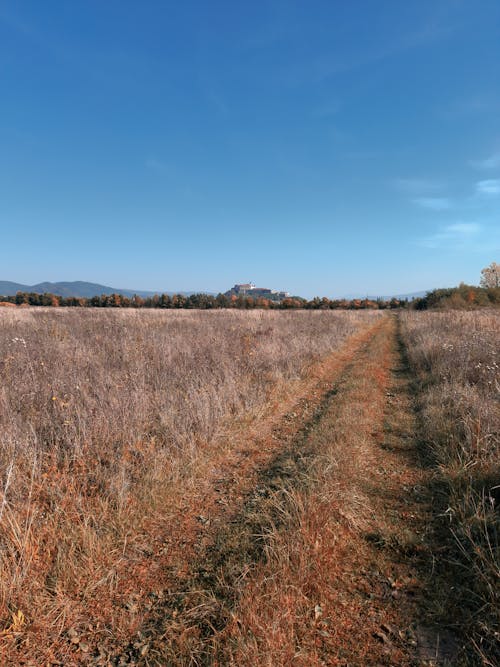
x: 305, y: 544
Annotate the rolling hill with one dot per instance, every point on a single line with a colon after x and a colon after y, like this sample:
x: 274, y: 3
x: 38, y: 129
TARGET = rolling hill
x: 77, y: 288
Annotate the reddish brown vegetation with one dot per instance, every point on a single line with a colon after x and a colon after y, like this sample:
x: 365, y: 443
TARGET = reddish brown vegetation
x: 333, y: 590
x: 108, y: 420
x: 456, y: 358
x: 188, y: 488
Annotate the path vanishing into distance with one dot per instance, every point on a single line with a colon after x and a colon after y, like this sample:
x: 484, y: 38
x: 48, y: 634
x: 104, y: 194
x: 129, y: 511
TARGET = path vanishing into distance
x: 305, y: 541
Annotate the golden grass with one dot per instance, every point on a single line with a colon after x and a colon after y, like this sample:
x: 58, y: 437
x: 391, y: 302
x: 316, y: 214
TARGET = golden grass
x: 455, y: 355
x: 103, y: 417
x: 320, y: 595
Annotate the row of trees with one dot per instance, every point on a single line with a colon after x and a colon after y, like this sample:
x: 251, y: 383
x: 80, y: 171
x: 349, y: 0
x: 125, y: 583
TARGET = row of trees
x: 463, y: 296
x: 198, y: 301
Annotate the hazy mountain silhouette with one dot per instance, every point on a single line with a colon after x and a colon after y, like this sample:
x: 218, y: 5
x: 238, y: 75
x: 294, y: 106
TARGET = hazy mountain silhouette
x: 77, y: 288
x: 80, y: 288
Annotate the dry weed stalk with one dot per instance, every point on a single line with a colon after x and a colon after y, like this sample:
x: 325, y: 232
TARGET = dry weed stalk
x: 102, y: 414
x: 456, y: 357
x: 294, y: 608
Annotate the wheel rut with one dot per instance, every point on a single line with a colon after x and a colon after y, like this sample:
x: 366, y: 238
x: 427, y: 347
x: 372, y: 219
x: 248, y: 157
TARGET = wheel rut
x: 345, y: 478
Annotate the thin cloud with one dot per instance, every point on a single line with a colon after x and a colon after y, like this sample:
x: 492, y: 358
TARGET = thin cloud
x: 417, y: 186
x: 490, y: 186
x: 326, y: 110
x: 218, y: 102
x: 15, y: 23
x: 433, y: 203
x: 491, y: 162
x: 432, y: 32
x: 456, y: 235
x: 463, y: 228
x: 478, y: 105
x: 155, y: 164
x: 159, y: 166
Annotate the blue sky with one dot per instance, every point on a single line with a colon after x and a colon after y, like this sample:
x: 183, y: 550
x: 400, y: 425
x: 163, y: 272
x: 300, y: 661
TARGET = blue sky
x: 319, y: 147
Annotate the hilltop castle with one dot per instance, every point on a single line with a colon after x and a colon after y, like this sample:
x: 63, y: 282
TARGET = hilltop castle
x: 249, y: 289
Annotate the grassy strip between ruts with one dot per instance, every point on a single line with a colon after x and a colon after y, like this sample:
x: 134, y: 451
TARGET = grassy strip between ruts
x: 324, y: 596
x: 318, y: 566
x: 108, y: 423
x: 237, y: 536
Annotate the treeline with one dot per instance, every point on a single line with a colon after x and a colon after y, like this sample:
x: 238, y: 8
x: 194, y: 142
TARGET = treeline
x: 461, y: 297
x: 198, y: 301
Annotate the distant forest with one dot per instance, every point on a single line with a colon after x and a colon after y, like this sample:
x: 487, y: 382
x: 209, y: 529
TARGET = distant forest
x: 463, y: 296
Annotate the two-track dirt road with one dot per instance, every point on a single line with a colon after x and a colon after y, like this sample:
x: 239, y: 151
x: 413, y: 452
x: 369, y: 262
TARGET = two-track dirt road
x: 305, y: 542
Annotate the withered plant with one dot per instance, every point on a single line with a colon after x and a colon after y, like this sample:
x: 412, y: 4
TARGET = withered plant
x: 456, y: 357
x: 102, y: 416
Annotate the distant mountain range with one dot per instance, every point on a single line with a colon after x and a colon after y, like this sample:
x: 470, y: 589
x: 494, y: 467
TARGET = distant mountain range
x: 77, y: 288
x: 410, y: 296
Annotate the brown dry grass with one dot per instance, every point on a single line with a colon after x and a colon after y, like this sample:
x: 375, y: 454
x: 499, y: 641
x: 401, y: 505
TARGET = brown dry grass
x: 455, y: 355
x: 103, y: 417
x: 323, y: 595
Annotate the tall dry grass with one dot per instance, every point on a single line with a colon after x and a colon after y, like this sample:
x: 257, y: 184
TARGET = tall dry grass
x: 456, y: 357
x: 102, y: 414
x: 301, y: 604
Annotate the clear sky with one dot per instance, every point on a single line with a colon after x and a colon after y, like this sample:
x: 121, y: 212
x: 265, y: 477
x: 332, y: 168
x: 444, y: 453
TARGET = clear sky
x: 336, y: 147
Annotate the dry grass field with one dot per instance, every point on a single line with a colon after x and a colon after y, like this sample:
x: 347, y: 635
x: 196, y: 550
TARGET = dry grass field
x: 456, y: 356
x: 248, y: 487
x: 104, y: 419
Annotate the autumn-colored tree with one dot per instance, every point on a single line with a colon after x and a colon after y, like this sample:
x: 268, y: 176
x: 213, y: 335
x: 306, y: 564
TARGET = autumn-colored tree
x: 165, y: 301
x: 314, y: 303
x: 325, y: 303
x: 222, y: 301
x: 137, y: 301
x: 114, y: 300
x: 21, y: 298
x: 490, y: 276
x: 179, y: 301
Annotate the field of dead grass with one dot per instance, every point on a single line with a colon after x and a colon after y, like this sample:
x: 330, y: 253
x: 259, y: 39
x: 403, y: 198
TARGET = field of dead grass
x: 339, y: 532
x: 103, y: 415
x: 456, y: 357
x: 322, y: 594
